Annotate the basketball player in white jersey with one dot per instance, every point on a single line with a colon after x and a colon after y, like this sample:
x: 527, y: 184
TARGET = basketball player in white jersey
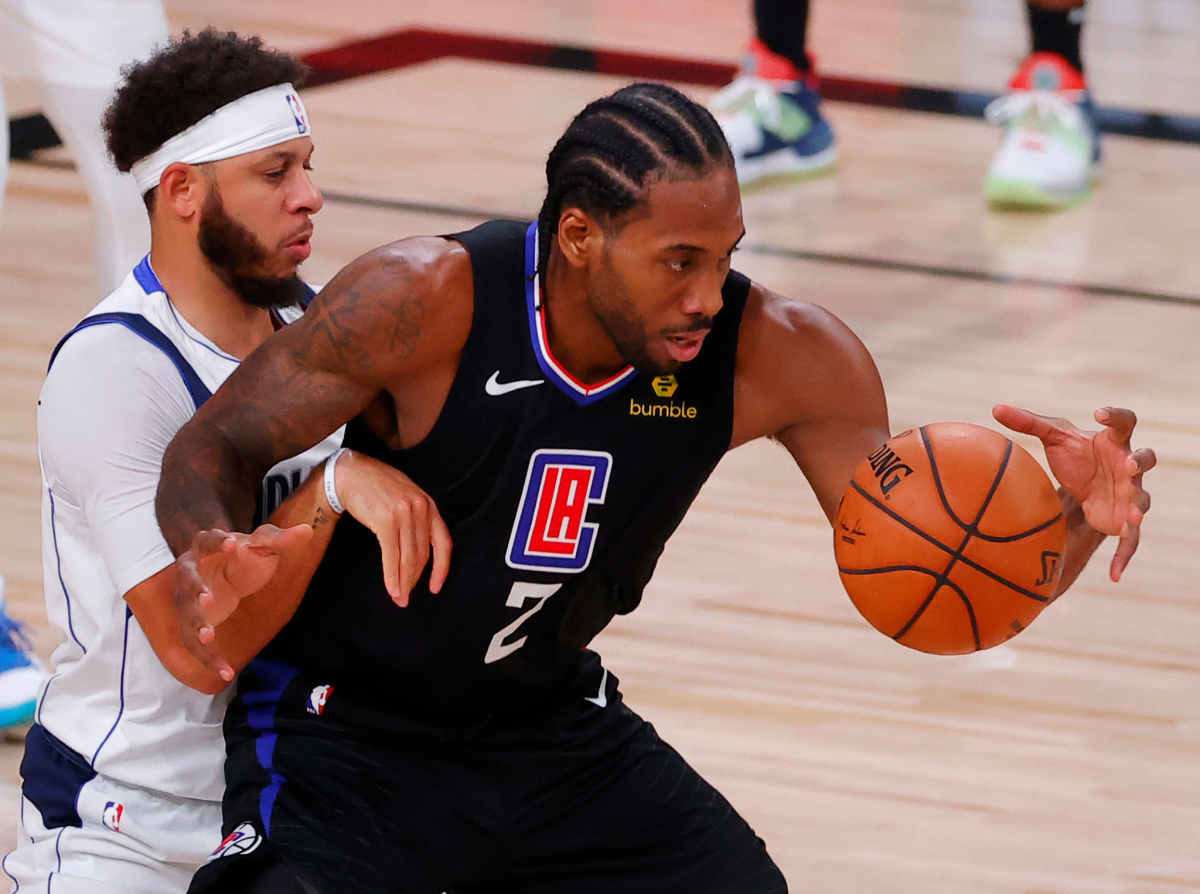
x: 122, y: 774
x: 74, y: 49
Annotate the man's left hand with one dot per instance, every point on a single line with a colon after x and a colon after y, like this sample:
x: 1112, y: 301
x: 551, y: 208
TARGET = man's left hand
x: 1097, y: 468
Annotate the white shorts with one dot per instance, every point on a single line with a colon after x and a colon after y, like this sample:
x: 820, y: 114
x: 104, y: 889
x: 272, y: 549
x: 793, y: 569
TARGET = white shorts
x: 157, y: 844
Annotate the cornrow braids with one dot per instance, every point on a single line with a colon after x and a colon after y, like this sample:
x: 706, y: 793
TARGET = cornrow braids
x: 604, y: 160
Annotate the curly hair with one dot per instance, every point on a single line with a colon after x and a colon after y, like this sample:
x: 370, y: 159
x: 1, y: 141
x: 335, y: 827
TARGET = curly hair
x: 184, y: 82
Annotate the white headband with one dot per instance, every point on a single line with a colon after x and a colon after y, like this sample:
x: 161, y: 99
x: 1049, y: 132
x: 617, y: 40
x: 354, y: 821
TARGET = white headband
x: 256, y: 121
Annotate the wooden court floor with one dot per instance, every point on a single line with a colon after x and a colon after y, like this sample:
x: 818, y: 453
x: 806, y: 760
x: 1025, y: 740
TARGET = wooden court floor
x: 1067, y: 762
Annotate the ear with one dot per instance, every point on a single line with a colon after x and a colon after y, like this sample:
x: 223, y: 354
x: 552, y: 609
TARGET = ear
x: 580, y: 237
x: 183, y: 189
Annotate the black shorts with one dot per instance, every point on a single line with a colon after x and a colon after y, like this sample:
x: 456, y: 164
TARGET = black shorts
x: 588, y: 800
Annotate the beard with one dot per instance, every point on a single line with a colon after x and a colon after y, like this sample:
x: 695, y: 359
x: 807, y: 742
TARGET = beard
x: 236, y: 253
x: 625, y: 325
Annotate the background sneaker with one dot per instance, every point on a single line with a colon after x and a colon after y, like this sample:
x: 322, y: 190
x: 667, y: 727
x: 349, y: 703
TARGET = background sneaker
x: 1050, y: 155
x: 20, y: 670
x: 771, y: 116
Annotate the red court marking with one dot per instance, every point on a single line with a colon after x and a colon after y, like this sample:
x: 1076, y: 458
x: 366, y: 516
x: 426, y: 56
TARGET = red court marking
x: 411, y: 46
x: 401, y: 49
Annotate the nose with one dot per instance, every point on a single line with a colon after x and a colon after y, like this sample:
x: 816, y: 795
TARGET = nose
x: 704, y: 299
x: 306, y: 198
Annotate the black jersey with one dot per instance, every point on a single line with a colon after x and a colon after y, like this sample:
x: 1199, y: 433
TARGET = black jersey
x: 559, y: 497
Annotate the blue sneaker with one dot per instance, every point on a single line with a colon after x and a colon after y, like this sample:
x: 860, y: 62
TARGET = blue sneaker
x: 771, y: 116
x: 20, y: 670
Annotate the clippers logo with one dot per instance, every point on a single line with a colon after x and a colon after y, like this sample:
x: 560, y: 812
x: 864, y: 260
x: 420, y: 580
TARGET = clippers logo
x: 112, y: 815
x: 550, y: 533
x: 318, y: 698
x: 242, y: 840
x: 298, y: 113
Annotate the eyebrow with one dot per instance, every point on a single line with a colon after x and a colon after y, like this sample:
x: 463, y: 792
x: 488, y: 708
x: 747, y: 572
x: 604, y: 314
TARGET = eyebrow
x: 683, y: 246
x: 285, y: 155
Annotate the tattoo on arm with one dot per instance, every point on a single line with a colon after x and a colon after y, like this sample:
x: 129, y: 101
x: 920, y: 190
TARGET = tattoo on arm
x: 408, y: 327
x: 298, y: 387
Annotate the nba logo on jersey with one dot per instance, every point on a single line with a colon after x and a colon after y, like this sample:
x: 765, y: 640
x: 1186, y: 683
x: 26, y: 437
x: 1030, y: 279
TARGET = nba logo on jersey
x: 242, y: 840
x: 550, y: 533
x: 298, y: 113
x: 317, y: 699
x: 112, y: 815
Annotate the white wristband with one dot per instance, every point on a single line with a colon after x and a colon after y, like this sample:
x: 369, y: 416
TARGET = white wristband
x: 330, y: 486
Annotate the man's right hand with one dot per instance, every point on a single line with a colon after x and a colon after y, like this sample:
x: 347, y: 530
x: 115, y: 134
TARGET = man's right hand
x: 220, y: 569
x: 217, y: 572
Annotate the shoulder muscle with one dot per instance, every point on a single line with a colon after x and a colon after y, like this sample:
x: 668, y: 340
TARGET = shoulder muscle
x: 797, y: 363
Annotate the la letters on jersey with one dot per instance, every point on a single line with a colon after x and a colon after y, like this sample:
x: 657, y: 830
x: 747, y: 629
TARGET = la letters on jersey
x: 550, y: 532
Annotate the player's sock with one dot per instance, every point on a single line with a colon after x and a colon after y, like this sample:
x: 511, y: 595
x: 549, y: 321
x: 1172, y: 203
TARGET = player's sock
x: 782, y: 27
x: 1057, y: 31
x: 1050, y: 154
x: 771, y: 116
x: 20, y: 670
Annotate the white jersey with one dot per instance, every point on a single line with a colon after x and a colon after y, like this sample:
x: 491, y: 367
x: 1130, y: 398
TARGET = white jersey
x: 78, y: 43
x: 111, y: 403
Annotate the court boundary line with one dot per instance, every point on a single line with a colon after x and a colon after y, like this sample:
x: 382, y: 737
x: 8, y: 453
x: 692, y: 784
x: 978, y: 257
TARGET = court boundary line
x: 1092, y: 290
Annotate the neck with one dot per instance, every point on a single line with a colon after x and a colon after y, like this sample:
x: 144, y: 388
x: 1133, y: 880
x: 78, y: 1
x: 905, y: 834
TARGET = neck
x: 206, y: 301
x: 577, y: 339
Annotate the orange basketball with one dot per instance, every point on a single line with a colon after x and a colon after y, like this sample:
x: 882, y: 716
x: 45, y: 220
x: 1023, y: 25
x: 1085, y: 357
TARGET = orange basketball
x: 950, y: 538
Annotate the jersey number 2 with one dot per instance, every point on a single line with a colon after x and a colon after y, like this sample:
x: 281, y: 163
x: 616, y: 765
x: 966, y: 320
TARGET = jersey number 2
x: 520, y: 593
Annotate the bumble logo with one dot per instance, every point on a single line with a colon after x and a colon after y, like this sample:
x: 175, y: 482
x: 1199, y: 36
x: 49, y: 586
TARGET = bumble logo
x: 664, y: 386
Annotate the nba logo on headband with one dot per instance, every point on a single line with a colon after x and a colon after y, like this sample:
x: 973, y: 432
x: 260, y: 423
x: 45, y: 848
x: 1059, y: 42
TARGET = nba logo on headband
x: 299, y: 113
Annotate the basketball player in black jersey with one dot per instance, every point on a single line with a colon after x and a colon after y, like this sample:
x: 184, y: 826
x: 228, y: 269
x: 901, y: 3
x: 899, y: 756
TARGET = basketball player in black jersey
x: 561, y: 390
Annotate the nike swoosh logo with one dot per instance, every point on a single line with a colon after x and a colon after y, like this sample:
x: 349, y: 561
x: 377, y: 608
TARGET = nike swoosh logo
x: 601, y: 699
x: 495, y: 387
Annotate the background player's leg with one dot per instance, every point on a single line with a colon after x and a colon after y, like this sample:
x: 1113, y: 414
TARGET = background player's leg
x: 1056, y: 26
x: 120, y: 225
x: 4, y: 148
x: 1050, y: 155
x: 782, y: 26
x: 771, y: 112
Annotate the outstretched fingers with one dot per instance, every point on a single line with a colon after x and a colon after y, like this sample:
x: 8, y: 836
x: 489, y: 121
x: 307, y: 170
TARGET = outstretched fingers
x: 1126, y: 547
x: 1119, y: 422
x: 443, y: 545
x: 197, y: 631
x: 272, y: 539
x: 388, y: 535
x: 1048, y: 429
x: 1138, y: 463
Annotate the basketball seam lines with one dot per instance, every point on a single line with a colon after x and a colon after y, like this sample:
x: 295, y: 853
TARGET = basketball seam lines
x: 970, y: 531
x: 969, y: 562
x: 937, y: 480
x: 940, y: 578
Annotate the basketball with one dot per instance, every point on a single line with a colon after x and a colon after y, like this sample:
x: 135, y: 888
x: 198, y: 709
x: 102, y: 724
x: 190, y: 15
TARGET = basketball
x: 949, y: 539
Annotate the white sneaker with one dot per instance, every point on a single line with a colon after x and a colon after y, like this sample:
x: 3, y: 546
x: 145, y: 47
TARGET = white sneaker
x: 1050, y: 155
